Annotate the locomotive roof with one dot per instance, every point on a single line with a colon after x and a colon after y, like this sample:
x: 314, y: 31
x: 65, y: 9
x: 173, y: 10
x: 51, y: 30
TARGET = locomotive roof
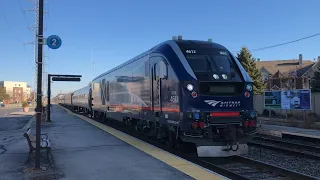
x: 182, y: 43
x: 194, y: 43
x: 83, y: 89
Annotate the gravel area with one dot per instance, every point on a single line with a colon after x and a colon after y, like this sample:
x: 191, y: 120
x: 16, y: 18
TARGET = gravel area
x: 246, y: 171
x: 302, y: 165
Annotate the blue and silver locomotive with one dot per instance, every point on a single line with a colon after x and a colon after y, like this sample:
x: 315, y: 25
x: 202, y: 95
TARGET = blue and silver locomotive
x: 180, y: 91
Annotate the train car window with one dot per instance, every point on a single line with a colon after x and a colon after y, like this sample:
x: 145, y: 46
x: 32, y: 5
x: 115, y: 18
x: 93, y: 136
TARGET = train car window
x: 209, y: 63
x: 163, y: 69
x: 108, y: 91
x: 155, y: 72
x: 199, y: 63
x: 160, y: 68
x: 146, y: 68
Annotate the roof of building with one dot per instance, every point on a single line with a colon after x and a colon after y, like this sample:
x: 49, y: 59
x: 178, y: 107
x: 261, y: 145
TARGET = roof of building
x: 285, y: 66
x: 14, y: 82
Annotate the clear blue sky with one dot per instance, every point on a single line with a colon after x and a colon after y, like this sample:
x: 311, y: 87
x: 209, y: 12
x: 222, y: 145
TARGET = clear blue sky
x: 114, y: 31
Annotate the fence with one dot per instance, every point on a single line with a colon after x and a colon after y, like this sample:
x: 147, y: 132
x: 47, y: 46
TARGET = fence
x: 258, y: 101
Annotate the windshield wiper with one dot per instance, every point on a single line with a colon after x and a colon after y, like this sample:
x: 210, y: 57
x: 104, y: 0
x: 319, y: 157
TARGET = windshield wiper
x: 210, y: 65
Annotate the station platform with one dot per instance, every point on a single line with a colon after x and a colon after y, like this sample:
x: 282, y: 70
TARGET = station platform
x: 276, y: 130
x: 86, y: 149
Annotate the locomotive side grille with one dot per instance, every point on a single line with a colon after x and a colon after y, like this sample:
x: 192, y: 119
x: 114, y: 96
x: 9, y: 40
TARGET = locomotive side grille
x: 221, y: 88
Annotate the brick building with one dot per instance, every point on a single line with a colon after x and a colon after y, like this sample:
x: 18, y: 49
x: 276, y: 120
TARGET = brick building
x: 18, y: 91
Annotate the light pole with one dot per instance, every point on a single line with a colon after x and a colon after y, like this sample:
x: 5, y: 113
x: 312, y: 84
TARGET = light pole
x: 39, y: 85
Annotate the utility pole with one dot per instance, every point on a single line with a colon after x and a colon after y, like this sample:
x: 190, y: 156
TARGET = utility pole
x: 39, y: 85
x: 35, y: 29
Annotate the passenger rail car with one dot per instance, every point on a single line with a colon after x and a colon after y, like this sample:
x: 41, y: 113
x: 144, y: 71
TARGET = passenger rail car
x: 68, y: 99
x: 181, y: 91
x: 60, y: 99
x: 80, y: 100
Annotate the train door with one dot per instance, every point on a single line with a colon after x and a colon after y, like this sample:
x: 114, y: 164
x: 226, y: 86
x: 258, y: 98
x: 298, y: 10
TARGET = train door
x: 90, y: 99
x: 159, y: 74
x: 71, y: 97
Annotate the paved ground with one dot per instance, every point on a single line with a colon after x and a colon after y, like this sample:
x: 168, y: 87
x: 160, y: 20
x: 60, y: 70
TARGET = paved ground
x: 13, y: 119
x: 83, y: 151
x: 7, y: 111
x: 293, y: 131
x: 10, y: 122
x: 13, y: 122
x: 11, y: 139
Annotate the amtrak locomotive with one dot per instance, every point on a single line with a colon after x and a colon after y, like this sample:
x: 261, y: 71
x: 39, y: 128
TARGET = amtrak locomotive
x: 180, y: 91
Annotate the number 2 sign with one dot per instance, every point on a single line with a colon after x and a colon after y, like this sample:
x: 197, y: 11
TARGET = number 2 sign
x: 54, y: 42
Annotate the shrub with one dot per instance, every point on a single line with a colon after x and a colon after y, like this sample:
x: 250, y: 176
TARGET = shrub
x: 25, y: 104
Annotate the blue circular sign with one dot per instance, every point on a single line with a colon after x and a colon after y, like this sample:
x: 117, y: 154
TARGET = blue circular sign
x: 54, y: 42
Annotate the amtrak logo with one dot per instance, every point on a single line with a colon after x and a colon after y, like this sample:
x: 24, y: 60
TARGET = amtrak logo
x: 214, y: 103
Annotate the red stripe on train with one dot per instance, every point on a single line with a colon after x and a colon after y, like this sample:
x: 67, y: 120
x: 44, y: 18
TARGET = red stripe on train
x: 224, y: 114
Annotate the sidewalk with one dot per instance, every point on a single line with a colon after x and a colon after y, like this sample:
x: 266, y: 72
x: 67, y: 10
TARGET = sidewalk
x: 83, y: 151
x: 23, y: 113
x: 276, y: 130
x: 13, y: 152
x: 298, y: 123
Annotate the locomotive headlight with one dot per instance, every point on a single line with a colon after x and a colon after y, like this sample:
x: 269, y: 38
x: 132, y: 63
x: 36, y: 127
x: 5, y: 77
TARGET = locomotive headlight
x: 189, y: 87
x: 249, y: 87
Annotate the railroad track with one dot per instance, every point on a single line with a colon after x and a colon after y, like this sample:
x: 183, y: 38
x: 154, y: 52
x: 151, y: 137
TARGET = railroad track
x: 286, y: 146
x: 237, y: 167
x: 301, y: 138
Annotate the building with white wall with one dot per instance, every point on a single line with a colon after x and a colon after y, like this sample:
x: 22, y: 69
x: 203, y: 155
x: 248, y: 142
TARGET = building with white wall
x: 18, y: 91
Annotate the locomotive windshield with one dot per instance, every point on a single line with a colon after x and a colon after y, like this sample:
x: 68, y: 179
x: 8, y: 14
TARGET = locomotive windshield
x: 207, y: 61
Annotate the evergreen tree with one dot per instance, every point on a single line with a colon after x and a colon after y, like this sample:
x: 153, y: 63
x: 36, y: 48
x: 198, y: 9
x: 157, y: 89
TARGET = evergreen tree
x: 3, y: 94
x: 249, y: 64
x: 315, y: 82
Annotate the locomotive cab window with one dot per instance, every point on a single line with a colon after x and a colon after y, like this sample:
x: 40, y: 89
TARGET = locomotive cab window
x: 160, y: 69
x: 210, y: 63
x: 206, y: 61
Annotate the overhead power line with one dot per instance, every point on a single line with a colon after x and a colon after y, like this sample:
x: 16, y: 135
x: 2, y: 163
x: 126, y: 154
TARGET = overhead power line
x: 15, y: 35
x: 23, y: 12
x: 285, y: 43
x: 20, y: 6
x: 281, y: 44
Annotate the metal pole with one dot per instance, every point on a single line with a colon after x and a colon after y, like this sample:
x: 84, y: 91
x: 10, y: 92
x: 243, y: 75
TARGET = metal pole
x: 49, y: 94
x: 39, y: 85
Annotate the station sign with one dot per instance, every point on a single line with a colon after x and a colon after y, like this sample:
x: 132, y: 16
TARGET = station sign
x: 54, y: 42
